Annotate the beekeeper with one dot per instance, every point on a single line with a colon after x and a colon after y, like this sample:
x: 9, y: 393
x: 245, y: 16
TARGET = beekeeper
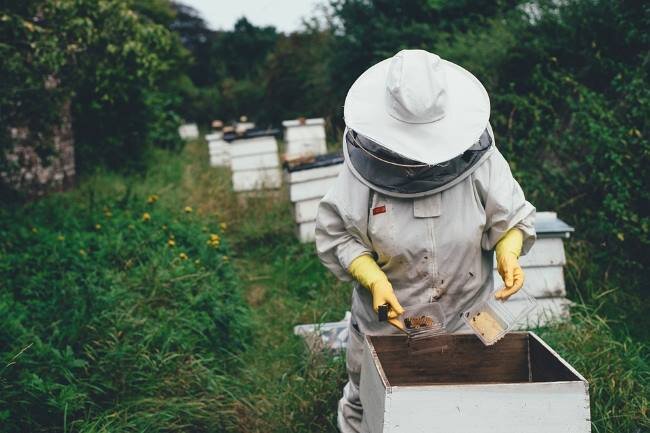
x: 423, y: 200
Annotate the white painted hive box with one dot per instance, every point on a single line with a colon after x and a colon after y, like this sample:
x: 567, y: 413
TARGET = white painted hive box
x: 218, y: 150
x: 519, y: 385
x: 308, y: 183
x: 304, y: 138
x: 188, y: 131
x: 254, y: 162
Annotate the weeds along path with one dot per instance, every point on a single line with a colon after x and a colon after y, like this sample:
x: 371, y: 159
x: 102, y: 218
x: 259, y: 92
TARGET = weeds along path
x: 282, y: 388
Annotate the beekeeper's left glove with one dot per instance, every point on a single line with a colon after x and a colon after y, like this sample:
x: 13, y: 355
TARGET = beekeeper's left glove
x: 508, y: 250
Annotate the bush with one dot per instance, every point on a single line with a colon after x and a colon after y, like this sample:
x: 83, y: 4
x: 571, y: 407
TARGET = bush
x: 113, y: 64
x: 116, y: 315
x: 572, y: 116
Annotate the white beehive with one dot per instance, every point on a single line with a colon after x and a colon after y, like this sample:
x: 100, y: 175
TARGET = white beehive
x: 254, y: 161
x: 544, y: 271
x: 519, y: 385
x: 218, y: 150
x: 308, y: 183
x: 304, y: 137
x: 242, y: 127
x: 188, y: 131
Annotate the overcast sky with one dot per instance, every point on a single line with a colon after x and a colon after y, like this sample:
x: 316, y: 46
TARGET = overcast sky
x: 285, y: 15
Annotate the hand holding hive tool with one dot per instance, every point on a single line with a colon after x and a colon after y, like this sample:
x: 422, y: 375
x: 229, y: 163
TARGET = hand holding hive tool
x: 366, y: 271
x: 508, y: 250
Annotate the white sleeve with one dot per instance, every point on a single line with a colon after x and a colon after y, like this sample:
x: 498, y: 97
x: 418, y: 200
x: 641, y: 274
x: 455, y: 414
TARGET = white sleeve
x: 342, y: 224
x: 504, y: 202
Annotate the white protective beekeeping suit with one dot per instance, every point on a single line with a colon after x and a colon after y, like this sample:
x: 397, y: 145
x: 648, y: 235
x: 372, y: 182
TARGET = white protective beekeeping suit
x: 434, y: 245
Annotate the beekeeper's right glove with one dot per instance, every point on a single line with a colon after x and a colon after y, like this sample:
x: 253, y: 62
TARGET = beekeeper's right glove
x: 366, y: 271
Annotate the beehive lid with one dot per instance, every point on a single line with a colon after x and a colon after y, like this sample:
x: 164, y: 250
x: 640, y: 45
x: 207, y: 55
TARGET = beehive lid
x: 251, y: 133
x: 304, y: 122
x: 548, y: 225
x: 316, y: 162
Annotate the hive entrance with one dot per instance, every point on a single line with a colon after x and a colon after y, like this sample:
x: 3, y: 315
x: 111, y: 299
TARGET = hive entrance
x: 517, y: 358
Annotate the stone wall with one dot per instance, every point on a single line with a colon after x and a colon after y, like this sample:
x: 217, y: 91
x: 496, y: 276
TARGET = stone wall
x: 32, y: 175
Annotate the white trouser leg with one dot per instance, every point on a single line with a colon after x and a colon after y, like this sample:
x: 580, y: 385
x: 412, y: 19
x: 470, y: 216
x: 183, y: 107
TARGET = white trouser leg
x: 350, y: 413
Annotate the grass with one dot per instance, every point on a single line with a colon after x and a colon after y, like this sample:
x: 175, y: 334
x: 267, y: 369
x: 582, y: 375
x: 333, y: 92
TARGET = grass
x: 118, y: 313
x: 274, y: 384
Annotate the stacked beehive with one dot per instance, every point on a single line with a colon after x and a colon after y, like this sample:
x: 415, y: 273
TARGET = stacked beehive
x: 254, y: 160
x: 308, y: 182
x: 218, y: 148
x: 544, y: 270
x: 304, y: 137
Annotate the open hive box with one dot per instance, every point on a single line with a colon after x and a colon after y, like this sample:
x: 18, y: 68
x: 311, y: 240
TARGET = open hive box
x: 519, y: 385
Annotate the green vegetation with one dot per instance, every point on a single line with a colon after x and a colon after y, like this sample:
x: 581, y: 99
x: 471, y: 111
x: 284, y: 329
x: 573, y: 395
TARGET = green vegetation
x: 106, y: 327
x: 117, y: 313
x: 143, y: 339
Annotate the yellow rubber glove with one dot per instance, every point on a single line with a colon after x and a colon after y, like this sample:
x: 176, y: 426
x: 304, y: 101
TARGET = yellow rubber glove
x: 508, y: 250
x: 366, y: 271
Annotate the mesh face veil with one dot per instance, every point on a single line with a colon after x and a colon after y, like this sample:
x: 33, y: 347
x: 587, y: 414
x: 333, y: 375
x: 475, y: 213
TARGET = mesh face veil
x: 394, y: 173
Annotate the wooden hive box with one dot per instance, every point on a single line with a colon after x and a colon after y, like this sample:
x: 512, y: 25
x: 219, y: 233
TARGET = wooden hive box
x: 519, y: 385
x: 304, y: 137
x: 254, y: 160
x: 308, y: 183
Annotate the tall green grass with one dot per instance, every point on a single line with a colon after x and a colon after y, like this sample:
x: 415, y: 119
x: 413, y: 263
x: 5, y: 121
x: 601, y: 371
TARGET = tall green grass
x: 117, y: 313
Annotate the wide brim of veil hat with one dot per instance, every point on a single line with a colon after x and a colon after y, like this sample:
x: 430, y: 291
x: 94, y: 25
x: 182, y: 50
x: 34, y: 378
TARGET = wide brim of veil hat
x: 370, y: 107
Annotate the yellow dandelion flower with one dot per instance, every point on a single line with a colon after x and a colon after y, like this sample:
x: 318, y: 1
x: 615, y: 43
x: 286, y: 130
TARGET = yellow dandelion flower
x: 82, y: 252
x: 61, y: 237
x: 223, y: 226
x: 197, y: 261
x: 171, y: 243
x: 98, y: 226
x: 214, y: 240
x: 146, y: 217
x: 188, y: 209
x: 164, y: 226
x: 152, y: 199
x: 183, y: 256
x: 225, y: 258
